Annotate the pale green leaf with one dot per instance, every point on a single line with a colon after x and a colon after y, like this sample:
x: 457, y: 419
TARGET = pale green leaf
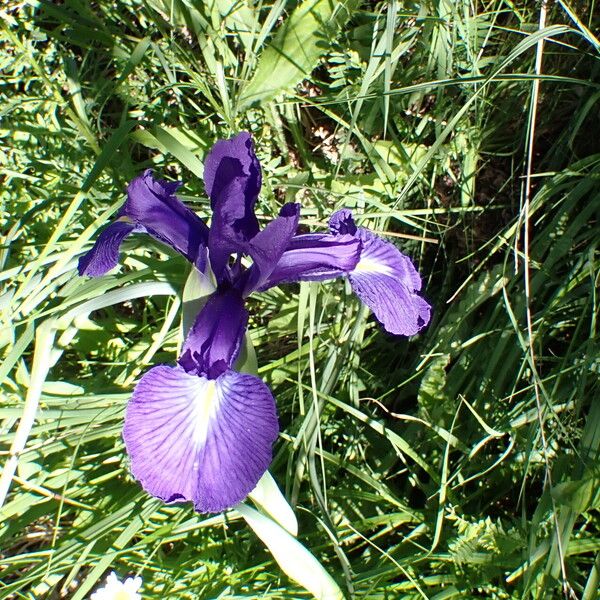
x: 293, y: 558
x: 198, y: 287
x: 268, y: 497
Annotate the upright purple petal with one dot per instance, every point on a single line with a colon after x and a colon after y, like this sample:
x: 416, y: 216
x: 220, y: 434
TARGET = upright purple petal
x: 213, y: 343
x: 153, y: 205
x: 384, y: 279
x: 225, y: 237
x: 232, y: 180
x: 230, y: 159
x: 104, y: 254
x: 315, y: 257
x: 199, y: 440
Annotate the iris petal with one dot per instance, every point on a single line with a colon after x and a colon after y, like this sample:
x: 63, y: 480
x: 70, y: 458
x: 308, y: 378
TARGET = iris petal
x: 213, y: 343
x: 152, y: 204
x: 153, y: 208
x: 232, y: 159
x: 384, y: 279
x: 267, y: 246
x: 226, y: 235
x: 399, y: 311
x: 315, y: 257
x: 194, y: 439
x: 341, y: 222
x: 232, y: 181
x: 379, y: 256
x: 104, y: 254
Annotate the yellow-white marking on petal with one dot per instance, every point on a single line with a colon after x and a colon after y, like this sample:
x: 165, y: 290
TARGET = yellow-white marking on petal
x: 205, y: 408
x: 367, y: 265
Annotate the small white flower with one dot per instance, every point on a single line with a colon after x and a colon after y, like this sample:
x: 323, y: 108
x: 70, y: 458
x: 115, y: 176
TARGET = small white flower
x: 116, y: 590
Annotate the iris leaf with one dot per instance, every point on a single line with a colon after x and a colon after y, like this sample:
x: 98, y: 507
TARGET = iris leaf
x: 293, y: 558
x: 268, y: 497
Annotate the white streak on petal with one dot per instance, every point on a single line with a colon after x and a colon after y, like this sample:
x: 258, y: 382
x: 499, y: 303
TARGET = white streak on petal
x: 368, y: 265
x: 387, y: 282
x: 206, y: 406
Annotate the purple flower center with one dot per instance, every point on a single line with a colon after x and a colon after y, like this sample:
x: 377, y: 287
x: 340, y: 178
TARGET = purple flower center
x: 200, y: 431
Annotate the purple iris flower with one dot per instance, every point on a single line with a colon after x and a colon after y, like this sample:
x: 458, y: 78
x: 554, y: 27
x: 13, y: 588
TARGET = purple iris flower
x: 201, y: 431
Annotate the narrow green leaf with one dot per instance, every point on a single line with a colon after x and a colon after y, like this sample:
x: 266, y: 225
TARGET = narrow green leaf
x: 293, y: 558
x: 174, y: 147
x: 198, y: 288
x: 268, y: 497
x: 134, y: 60
x: 43, y: 359
x: 580, y: 495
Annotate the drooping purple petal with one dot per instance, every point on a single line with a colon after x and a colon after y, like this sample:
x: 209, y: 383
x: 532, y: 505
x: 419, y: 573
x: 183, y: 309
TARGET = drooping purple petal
x: 400, y: 311
x: 213, y: 343
x: 384, y: 279
x: 269, y: 244
x: 153, y: 205
x: 387, y: 282
x: 199, y: 440
x: 315, y: 257
x: 380, y: 256
x: 104, y: 254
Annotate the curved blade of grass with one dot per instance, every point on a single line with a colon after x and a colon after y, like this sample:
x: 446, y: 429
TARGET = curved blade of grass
x: 42, y: 361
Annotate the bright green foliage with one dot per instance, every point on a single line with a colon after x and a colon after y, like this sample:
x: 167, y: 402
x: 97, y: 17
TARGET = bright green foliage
x: 417, y: 468
x: 295, y: 50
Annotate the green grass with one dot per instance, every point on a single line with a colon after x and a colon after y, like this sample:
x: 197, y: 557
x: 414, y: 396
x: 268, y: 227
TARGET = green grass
x: 462, y: 463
